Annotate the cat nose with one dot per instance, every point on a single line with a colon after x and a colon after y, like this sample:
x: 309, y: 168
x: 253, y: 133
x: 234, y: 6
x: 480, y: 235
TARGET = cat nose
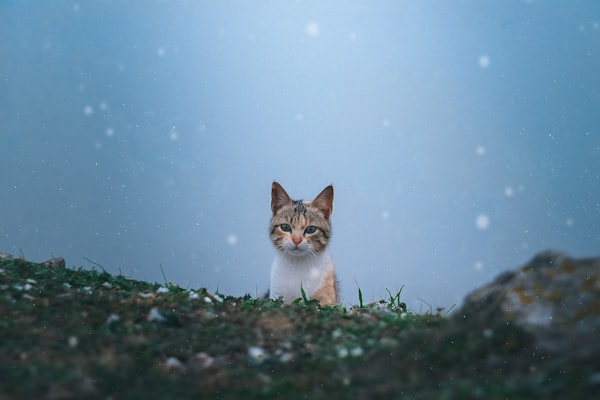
x: 296, y: 240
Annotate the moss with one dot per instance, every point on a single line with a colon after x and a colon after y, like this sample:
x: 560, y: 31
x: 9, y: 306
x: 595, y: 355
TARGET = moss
x: 74, y: 333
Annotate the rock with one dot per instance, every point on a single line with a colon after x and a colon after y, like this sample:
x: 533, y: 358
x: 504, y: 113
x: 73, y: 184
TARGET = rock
x: 53, y: 263
x: 553, y: 297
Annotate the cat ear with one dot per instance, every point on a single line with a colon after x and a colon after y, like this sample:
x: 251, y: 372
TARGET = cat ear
x: 279, y: 197
x: 324, y: 201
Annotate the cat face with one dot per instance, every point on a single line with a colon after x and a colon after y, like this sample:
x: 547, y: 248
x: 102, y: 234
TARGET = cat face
x: 300, y: 228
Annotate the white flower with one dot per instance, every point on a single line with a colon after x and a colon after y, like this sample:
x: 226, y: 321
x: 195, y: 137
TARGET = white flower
x: 257, y: 354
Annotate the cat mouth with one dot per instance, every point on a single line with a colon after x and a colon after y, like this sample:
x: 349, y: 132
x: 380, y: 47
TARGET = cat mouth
x: 296, y: 251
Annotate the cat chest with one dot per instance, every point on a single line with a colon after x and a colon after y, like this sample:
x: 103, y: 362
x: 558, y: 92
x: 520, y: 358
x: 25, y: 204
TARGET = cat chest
x: 287, y: 277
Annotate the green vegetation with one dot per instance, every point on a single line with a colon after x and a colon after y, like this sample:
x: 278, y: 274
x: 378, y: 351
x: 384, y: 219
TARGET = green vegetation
x: 74, y: 333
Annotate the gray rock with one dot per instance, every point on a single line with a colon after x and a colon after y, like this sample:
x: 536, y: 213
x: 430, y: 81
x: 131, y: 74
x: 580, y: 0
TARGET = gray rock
x: 553, y: 297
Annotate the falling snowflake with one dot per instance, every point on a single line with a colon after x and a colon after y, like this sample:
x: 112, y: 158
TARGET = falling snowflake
x: 88, y: 110
x: 484, y: 61
x: 110, y: 132
x: 480, y: 150
x: 482, y: 222
x: 173, y: 135
x: 509, y: 191
x: 231, y: 239
x: 385, y: 215
x: 161, y: 51
x: 313, y: 29
x: 570, y: 222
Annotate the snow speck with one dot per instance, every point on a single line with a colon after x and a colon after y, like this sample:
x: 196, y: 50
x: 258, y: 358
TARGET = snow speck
x: 88, y: 110
x: 509, y: 191
x: 484, y: 61
x: 480, y: 150
x: 313, y: 29
x: 386, y: 123
x: 110, y: 132
x: 173, y: 134
x: 231, y: 239
x: 73, y: 342
x: 478, y: 265
x: 103, y: 106
x: 299, y: 117
x: 570, y: 222
x: 482, y: 221
x: 385, y: 215
x: 161, y: 51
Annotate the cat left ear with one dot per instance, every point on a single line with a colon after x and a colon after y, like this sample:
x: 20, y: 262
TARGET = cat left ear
x: 279, y: 197
x: 324, y: 201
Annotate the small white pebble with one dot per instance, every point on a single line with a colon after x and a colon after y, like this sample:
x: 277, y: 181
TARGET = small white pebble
x: 73, y: 341
x: 204, y: 359
x: 218, y: 298
x: 207, y: 300
x: 155, y: 316
x: 162, y: 289
x: 356, y: 352
x: 112, y: 318
x: 193, y: 296
x: 31, y: 280
x: 257, y: 354
x: 174, y: 364
x: 342, y: 352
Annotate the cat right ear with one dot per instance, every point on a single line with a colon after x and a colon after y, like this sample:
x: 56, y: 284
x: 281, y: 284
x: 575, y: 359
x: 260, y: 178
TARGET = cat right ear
x: 279, y: 197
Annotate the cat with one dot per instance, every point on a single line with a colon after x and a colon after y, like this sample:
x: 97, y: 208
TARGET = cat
x: 300, y: 231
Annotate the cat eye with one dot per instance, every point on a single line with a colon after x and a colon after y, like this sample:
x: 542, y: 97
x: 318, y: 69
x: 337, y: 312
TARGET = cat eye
x: 285, y: 227
x: 310, y: 229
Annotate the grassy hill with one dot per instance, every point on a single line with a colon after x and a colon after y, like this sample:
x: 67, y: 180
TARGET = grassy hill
x: 74, y: 333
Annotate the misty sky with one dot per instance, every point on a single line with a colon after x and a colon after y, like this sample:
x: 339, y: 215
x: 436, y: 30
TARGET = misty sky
x: 461, y: 137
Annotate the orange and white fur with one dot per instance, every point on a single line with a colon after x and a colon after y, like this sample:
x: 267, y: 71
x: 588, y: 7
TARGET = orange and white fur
x: 300, y: 231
